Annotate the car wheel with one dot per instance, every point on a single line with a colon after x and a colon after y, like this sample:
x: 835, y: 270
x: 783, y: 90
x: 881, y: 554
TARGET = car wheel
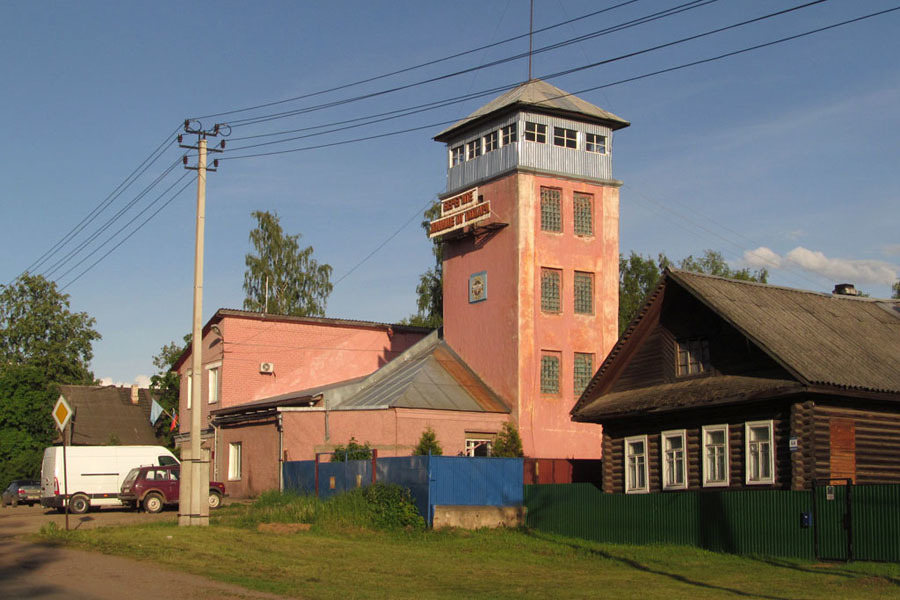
x: 153, y: 503
x: 79, y: 504
x: 215, y: 499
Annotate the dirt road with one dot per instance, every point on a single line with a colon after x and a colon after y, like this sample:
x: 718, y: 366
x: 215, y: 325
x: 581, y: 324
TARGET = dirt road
x: 38, y: 572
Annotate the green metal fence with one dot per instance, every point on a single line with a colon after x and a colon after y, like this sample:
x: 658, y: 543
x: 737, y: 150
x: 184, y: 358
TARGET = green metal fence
x: 762, y: 522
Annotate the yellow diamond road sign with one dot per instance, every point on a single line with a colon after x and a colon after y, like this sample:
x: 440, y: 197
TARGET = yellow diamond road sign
x: 62, y: 413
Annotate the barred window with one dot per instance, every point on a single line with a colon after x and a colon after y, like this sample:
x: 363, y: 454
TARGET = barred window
x: 473, y: 149
x: 567, y: 138
x: 535, y: 132
x: 584, y: 293
x: 456, y: 156
x: 551, y: 283
x: 594, y: 142
x: 551, y: 209
x: 583, y: 370
x: 584, y: 214
x: 693, y: 356
x: 491, y: 142
x: 549, y: 374
x: 510, y: 134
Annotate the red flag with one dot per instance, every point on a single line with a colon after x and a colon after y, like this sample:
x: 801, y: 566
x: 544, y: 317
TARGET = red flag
x: 174, y: 422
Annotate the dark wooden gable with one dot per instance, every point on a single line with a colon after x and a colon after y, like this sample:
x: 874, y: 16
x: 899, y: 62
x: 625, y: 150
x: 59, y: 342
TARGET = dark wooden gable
x: 681, y: 316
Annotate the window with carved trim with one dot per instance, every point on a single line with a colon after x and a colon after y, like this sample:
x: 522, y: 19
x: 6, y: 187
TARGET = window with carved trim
x: 551, y: 209
x: 551, y: 288
x: 584, y: 214
x: 636, y: 476
x: 758, y: 451
x: 693, y: 356
x: 674, y: 459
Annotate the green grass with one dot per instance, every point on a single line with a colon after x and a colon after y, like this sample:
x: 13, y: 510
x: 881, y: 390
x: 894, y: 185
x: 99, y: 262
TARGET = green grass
x: 340, y: 559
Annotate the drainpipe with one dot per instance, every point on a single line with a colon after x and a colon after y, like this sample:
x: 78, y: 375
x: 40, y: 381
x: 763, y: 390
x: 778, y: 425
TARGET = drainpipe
x: 280, y: 452
x: 215, y: 451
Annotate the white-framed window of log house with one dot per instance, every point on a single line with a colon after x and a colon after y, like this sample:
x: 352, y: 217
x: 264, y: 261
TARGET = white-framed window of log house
x: 673, y: 451
x: 758, y: 452
x: 714, y: 439
x: 636, y: 475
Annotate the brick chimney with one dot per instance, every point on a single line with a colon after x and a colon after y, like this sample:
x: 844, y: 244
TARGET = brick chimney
x: 845, y: 289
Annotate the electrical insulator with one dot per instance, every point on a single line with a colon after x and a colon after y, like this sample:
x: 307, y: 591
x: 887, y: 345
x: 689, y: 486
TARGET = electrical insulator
x: 222, y: 145
x: 215, y: 163
x: 184, y: 159
x: 180, y: 138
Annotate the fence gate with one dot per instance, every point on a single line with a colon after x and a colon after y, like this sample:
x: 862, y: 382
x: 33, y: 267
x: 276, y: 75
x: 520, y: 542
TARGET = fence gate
x: 832, y: 518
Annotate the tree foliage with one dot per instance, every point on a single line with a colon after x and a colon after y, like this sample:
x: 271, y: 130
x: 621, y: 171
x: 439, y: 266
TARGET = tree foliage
x: 430, y: 290
x: 352, y: 451
x: 38, y: 329
x: 896, y: 290
x: 428, y: 444
x: 26, y: 427
x: 297, y: 284
x: 638, y: 276
x: 165, y: 387
x: 508, y: 443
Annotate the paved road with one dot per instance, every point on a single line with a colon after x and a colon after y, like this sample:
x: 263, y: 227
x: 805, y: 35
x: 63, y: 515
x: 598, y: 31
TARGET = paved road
x: 38, y: 572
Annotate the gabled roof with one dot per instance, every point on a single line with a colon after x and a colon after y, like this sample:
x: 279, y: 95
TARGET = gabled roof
x: 825, y: 341
x: 105, y: 414
x: 540, y: 96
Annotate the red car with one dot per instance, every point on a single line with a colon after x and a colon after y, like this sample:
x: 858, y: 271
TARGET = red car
x: 155, y: 487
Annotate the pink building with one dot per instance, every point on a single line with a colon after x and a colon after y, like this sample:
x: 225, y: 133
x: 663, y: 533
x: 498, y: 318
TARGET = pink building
x: 529, y: 227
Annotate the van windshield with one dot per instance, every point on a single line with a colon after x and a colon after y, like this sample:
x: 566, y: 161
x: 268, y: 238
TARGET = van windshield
x: 165, y: 461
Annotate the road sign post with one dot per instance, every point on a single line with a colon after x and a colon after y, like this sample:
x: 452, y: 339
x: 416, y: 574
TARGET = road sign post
x: 62, y: 414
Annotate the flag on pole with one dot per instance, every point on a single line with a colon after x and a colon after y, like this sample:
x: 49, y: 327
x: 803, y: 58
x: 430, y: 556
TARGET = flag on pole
x: 174, y: 422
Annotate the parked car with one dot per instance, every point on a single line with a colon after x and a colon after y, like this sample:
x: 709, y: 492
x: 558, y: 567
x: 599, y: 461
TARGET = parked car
x: 22, y: 491
x: 155, y: 487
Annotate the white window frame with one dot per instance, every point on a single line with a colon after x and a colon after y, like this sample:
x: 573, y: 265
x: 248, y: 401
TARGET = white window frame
x: 235, y: 461
x: 707, y: 482
x: 491, y: 141
x: 664, y: 458
x: 631, y: 486
x: 748, y: 456
x: 562, y: 139
x: 591, y: 144
x: 473, y: 441
x: 473, y: 149
x: 214, y: 382
x: 457, y: 155
x: 538, y: 134
x: 509, y: 134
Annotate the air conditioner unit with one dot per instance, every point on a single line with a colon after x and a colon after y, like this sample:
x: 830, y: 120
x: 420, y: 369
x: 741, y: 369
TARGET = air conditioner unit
x: 266, y: 367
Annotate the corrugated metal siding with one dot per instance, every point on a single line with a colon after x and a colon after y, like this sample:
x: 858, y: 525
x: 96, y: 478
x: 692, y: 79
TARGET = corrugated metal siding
x: 545, y: 157
x: 476, y: 481
x: 876, y: 522
x: 751, y: 522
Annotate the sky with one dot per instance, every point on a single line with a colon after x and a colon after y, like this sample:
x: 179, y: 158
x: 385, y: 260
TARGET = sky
x: 783, y: 157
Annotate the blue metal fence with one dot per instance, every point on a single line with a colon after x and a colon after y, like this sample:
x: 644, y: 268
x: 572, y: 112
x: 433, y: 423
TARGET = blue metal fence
x: 432, y: 480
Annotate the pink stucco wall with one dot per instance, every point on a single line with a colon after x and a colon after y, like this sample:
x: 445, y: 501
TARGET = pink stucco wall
x: 502, y: 338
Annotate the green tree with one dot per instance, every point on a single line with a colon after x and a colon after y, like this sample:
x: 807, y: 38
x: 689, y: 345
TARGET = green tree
x: 508, y: 443
x: 430, y: 290
x: 26, y: 427
x: 352, y: 451
x: 297, y: 284
x: 38, y: 329
x: 896, y: 290
x: 428, y: 444
x: 165, y: 387
x: 638, y: 276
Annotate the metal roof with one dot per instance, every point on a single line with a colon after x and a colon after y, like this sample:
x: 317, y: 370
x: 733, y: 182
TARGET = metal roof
x: 105, y: 413
x: 541, y: 97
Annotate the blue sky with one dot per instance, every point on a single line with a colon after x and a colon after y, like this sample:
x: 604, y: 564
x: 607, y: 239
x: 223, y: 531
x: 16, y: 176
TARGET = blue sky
x: 783, y: 157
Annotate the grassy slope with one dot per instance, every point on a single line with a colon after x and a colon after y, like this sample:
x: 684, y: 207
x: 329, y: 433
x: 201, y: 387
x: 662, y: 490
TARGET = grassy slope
x: 495, y: 564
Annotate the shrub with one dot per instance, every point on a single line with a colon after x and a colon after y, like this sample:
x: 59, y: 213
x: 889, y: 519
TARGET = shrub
x: 392, y: 507
x: 428, y: 444
x: 508, y: 443
x: 352, y: 451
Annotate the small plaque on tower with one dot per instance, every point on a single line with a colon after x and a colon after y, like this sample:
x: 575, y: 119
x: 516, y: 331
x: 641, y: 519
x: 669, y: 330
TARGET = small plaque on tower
x: 478, y: 287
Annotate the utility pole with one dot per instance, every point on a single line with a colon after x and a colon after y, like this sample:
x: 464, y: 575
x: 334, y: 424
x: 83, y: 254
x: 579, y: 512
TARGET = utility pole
x: 193, y: 506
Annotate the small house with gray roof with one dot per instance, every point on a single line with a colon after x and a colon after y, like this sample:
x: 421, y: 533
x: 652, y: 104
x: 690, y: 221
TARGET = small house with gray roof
x: 724, y: 384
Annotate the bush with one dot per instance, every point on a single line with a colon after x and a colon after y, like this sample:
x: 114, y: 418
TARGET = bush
x: 352, y: 451
x: 508, y: 443
x: 392, y: 506
x: 428, y: 444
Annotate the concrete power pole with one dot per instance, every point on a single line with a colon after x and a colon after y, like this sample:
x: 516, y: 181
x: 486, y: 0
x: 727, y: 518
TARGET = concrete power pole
x: 193, y: 506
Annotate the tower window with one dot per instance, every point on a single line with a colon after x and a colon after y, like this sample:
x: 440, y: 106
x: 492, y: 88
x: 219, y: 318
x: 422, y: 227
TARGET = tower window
x: 551, y: 282
x: 535, y: 132
x: 551, y: 209
x: 456, y: 156
x: 693, y: 356
x: 491, y: 142
x: 549, y: 373
x: 509, y: 134
x: 473, y: 149
x: 567, y: 138
x: 594, y: 142
x: 583, y: 370
x: 584, y: 214
x: 584, y: 293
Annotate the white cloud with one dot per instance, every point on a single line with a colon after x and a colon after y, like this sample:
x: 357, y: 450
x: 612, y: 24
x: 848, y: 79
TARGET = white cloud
x: 837, y: 270
x: 891, y: 249
x: 141, y: 381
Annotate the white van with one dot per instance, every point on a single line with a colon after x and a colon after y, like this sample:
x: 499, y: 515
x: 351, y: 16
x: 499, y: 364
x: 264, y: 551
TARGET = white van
x: 95, y: 473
